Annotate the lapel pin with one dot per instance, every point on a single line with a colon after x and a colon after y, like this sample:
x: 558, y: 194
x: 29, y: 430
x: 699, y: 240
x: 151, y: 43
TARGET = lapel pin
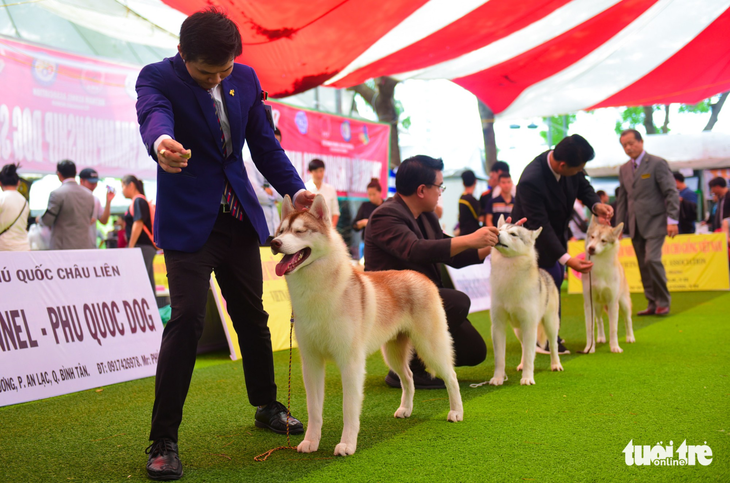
x: 232, y: 92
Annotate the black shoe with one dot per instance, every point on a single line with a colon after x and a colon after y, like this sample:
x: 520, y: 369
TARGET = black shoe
x: 273, y: 416
x: 562, y: 350
x: 163, y: 463
x: 422, y: 380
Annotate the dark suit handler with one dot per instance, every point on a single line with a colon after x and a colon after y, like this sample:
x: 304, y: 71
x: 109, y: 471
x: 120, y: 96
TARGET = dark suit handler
x: 649, y: 202
x: 547, y: 190
x: 195, y: 110
x: 404, y: 234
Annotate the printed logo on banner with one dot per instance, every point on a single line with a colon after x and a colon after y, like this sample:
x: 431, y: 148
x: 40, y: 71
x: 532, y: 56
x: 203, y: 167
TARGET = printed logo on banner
x: 92, y: 81
x: 346, y: 131
x: 300, y: 119
x: 129, y: 84
x: 325, y: 126
x: 364, y: 137
x: 44, y: 71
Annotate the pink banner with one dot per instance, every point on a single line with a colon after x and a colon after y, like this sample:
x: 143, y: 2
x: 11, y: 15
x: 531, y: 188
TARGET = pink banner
x: 55, y: 106
x: 354, y: 151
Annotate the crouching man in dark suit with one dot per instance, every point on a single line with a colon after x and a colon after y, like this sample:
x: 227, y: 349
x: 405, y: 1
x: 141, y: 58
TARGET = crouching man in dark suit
x: 404, y: 234
x: 547, y: 190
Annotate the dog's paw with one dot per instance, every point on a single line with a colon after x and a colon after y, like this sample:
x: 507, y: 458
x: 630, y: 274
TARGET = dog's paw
x: 527, y: 381
x: 601, y: 340
x: 344, y: 449
x: 402, y: 412
x: 497, y: 381
x: 589, y: 350
x: 307, y: 447
x: 616, y: 349
x: 519, y: 368
x: 556, y: 367
x: 630, y: 339
x: 455, y: 416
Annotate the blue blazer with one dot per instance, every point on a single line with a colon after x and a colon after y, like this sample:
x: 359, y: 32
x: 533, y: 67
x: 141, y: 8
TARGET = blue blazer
x: 170, y: 102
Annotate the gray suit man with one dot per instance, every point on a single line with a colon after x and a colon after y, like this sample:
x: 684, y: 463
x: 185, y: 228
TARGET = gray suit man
x: 70, y: 211
x: 648, y: 202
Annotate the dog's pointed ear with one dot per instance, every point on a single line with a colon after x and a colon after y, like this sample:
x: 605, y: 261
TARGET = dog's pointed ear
x: 286, y: 207
x: 320, y: 210
x: 618, y: 230
x: 594, y: 222
x: 501, y: 221
x: 536, y: 233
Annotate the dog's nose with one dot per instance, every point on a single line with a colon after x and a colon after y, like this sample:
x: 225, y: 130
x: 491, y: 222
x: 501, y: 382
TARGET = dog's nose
x: 591, y: 250
x: 275, y: 246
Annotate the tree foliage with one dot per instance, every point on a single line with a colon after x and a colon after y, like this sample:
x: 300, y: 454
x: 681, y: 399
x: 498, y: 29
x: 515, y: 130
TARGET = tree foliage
x: 558, y: 128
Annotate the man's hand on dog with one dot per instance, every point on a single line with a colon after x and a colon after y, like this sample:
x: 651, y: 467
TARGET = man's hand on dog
x: 303, y: 200
x: 172, y: 156
x: 604, y: 213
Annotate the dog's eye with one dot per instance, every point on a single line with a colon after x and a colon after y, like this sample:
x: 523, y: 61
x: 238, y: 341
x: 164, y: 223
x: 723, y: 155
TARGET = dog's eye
x: 513, y: 234
x: 604, y: 241
x: 300, y: 231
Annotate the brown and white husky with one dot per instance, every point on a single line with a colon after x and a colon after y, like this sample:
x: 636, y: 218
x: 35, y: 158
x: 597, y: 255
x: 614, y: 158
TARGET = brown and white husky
x: 343, y: 314
x: 608, y: 286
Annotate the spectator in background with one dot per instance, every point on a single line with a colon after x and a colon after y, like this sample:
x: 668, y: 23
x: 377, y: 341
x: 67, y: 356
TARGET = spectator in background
x: 498, y: 168
x: 268, y: 197
x: 603, y: 196
x: 719, y: 190
x: 89, y: 179
x: 375, y: 197
x: 14, y: 211
x: 578, y: 225
x: 649, y: 201
x: 687, y: 206
x: 138, y: 221
x: 70, y: 211
x: 469, y: 209
x: 502, y: 203
x: 317, y: 186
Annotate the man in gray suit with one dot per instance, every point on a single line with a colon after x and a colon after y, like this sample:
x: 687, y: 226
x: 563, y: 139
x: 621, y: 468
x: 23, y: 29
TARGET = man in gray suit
x: 649, y: 202
x: 70, y: 211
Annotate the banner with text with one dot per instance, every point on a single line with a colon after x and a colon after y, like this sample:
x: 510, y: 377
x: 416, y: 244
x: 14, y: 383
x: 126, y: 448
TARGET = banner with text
x: 74, y: 320
x: 693, y: 263
x: 354, y: 151
x: 474, y: 281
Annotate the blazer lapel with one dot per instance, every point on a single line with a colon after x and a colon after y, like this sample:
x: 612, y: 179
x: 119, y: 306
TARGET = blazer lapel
x: 233, y: 109
x: 643, y: 168
x: 552, y: 183
x: 207, y: 105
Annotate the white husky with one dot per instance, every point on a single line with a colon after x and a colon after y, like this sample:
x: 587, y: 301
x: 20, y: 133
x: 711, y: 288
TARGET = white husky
x: 524, y: 296
x: 608, y: 285
x: 345, y: 315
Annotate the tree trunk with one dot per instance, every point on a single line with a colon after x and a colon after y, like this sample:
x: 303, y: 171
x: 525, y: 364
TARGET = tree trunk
x: 382, y: 101
x: 665, y: 127
x: 716, y: 108
x: 649, y: 120
x: 490, y: 143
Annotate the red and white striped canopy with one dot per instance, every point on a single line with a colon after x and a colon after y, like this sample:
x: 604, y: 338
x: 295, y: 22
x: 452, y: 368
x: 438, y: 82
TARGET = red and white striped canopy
x: 521, y: 57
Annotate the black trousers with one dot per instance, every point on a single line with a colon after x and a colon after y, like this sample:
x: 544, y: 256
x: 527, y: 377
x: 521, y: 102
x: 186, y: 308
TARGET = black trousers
x: 469, y: 345
x: 232, y: 251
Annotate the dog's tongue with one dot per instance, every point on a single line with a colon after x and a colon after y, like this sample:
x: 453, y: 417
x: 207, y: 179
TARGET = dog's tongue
x: 283, y: 265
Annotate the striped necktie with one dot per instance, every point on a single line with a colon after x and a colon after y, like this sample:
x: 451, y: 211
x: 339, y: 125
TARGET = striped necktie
x: 228, y: 195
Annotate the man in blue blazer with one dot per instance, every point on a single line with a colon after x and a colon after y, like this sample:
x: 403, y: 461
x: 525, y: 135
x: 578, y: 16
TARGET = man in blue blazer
x: 195, y: 110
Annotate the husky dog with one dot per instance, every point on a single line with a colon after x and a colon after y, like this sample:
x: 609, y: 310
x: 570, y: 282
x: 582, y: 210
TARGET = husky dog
x: 608, y: 285
x: 345, y: 315
x: 524, y: 296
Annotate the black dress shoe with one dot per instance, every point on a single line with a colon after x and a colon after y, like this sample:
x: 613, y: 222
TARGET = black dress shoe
x: 422, y: 380
x: 273, y: 416
x: 163, y: 463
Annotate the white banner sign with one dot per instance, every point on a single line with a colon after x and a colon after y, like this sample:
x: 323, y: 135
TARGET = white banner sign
x: 74, y: 320
x: 474, y: 281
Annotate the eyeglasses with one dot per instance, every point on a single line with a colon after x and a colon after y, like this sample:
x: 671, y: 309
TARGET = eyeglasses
x: 440, y: 187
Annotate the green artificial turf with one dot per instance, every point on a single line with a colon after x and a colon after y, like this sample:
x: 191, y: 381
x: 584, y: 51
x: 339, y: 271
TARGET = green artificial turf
x: 673, y: 384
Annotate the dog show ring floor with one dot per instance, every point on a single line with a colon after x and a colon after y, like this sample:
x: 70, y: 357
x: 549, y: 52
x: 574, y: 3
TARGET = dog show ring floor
x: 664, y: 401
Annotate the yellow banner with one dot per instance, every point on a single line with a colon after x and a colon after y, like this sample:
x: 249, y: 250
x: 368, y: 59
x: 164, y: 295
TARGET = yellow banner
x: 276, y: 303
x: 693, y: 263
